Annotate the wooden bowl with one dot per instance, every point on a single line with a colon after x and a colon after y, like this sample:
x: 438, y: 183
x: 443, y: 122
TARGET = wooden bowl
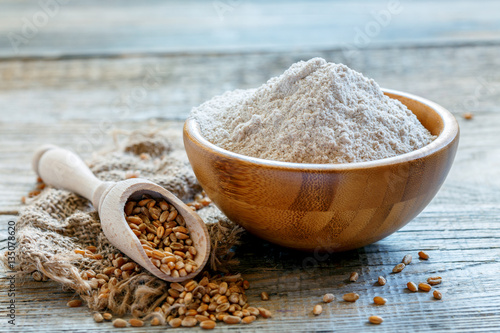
x: 327, y: 207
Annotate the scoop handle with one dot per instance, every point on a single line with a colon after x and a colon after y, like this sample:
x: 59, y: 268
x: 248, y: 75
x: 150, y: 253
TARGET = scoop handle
x: 63, y: 169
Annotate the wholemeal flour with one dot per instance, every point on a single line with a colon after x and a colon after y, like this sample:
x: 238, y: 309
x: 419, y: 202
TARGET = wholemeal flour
x: 315, y: 112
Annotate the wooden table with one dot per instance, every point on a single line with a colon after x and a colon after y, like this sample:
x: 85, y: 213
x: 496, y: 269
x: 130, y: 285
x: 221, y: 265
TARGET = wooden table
x: 125, y: 65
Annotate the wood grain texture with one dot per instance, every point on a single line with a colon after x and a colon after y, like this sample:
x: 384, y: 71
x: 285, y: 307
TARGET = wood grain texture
x: 18, y: 143
x: 127, y: 27
x: 113, y: 224
x: 61, y: 168
x: 466, y: 257
x: 107, y: 91
x: 460, y: 229
x: 334, y: 207
x: 67, y: 101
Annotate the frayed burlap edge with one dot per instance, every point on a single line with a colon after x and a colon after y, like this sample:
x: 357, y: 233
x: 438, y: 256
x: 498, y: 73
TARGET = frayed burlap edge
x: 142, y: 293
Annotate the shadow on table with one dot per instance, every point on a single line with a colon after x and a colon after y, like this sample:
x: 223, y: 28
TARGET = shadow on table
x: 257, y: 254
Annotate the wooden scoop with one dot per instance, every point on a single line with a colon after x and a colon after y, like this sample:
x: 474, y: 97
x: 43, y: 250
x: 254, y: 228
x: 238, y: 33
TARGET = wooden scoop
x: 61, y: 168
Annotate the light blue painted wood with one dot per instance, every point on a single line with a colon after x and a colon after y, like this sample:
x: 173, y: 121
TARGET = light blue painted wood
x: 123, y: 27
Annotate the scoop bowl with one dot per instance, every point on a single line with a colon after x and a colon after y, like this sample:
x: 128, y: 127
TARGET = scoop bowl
x: 63, y: 169
x: 327, y: 207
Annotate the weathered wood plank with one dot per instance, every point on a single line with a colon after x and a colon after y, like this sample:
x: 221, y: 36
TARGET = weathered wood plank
x: 73, y: 102
x: 117, y: 89
x: 473, y: 178
x: 466, y: 259
x: 459, y: 230
x: 65, y: 102
x: 18, y: 142
x: 119, y: 27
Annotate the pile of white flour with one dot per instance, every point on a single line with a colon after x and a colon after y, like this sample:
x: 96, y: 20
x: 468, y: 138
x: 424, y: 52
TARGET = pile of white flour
x: 315, y: 112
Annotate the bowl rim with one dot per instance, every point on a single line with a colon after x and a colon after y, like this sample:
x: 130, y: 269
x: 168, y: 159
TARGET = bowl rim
x: 448, y: 134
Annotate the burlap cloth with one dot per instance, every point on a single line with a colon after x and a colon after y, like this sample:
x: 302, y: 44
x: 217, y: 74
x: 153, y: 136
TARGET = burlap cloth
x: 56, y: 222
